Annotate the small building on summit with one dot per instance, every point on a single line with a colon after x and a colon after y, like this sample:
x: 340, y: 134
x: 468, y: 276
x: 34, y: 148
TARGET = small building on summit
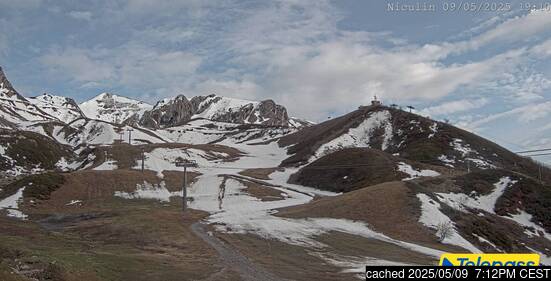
x: 376, y: 102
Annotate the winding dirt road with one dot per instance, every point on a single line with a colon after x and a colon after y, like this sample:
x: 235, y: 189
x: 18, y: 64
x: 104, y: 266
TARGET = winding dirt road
x: 232, y: 259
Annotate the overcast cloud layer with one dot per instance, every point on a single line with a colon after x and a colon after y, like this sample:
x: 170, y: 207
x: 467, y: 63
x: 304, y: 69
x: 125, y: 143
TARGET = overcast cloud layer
x: 485, y: 71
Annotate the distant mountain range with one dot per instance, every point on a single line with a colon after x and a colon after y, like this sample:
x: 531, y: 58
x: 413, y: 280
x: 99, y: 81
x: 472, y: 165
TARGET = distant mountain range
x: 166, y: 113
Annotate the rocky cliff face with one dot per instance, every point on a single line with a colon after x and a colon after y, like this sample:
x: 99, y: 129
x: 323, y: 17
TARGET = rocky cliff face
x: 168, y: 113
x: 179, y: 110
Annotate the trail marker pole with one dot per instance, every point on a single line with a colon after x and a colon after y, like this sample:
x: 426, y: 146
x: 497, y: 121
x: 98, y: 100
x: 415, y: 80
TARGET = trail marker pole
x: 180, y: 162
x: 143, y: 159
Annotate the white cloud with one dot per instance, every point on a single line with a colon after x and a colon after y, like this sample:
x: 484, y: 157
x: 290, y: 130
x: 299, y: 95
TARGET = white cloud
x: 454, y: 107
x: 523, y: 115
x: 293, y: 52
x: 78, y: 64
x: 81, y: 15
x: 139, y: 68
x: 519, y: 27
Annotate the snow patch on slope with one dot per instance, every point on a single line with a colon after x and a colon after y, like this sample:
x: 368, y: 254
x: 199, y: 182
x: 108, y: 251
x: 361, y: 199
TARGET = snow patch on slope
x: 470, y: 154
x: 432, y: 217
x: 360, y: 136
x: 487, y: 202
x: 413, y: 174
x: 11, y: 204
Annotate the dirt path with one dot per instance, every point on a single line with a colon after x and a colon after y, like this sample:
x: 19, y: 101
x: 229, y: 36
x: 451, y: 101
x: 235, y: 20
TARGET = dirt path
x: 232, y: 259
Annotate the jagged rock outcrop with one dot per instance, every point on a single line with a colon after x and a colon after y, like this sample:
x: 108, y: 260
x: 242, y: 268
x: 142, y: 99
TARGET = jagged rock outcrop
x: 179, y: 110
x: 168, y: 113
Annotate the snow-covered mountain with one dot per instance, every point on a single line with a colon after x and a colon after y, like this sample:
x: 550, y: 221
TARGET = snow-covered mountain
x: 14, y: 108
x: 62, y: 108
x: 114, y: 109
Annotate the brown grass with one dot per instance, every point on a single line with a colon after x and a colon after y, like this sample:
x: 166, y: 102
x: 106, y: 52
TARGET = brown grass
x: 128, y: 156
x: 284, y: 260
x: 264, y: 193
x: 259, y: 173
x: 96, y: 186
x: 108, y: 238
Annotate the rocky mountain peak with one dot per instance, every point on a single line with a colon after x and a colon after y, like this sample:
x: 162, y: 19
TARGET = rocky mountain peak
x: 168, y: 113
x: 5, y: 86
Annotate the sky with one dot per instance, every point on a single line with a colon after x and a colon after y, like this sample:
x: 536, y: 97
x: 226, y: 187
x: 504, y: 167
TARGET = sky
x: 484, y: 68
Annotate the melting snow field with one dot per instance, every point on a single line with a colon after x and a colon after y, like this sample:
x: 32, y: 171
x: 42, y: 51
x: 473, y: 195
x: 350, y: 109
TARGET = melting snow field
x: 432, y: 217
x: 11, y: 204
x: 413, y: 174
x: 107, y: 166
x: 461, y: 202
x: 361, y: 135
x: 233, y: 210
x: 484, y: 202
x: 149, y: 191
x: 239, y: 212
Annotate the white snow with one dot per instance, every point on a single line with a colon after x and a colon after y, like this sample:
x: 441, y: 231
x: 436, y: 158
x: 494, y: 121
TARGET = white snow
x: 483, y: 202
x: 446, y: 160
x: 65, y: 165
x: 431, y: 216
x: 413, y: 174
x: 112, y: 108
x: 25, y: 111
x: 11, y: 204
x: 360, y: 136
x: 525, y: 219
x: 434, y: 129
x: 58, y: 107
x: 224, y: 105
x: 74, y: 202
x: 149, y: 191
x: 241, y: 213
x: 460, y: 201
x: 203, y: 131
x: 470, y: 154
x: 96, y: 132
x: 108, y: 165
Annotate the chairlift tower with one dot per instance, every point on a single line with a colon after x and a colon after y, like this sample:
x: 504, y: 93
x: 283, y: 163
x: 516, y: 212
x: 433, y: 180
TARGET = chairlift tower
x: 129, y: 130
